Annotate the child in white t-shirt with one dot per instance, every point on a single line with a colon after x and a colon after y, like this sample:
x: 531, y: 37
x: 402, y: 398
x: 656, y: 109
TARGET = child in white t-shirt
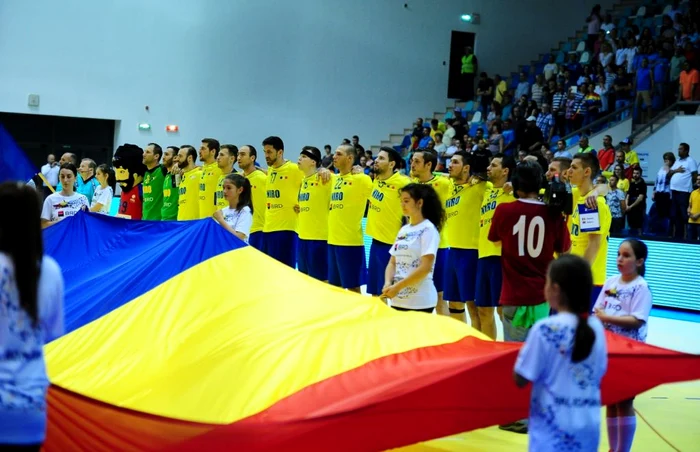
x: 565, y: 357
x: 408, y: 279
x: 102, y: 198
x: 237, y: 218
x: 623, y: 306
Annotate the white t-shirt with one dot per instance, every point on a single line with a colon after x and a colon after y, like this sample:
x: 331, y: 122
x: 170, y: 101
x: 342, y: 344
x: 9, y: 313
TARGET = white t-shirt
x: 684, y: 181
x: 618, y: 298
x: 239, y: 220
x: 103, y: 196
x: 412, y: 243
x: 58, y: 207
x: 23, y: 380
x: 565, y: 399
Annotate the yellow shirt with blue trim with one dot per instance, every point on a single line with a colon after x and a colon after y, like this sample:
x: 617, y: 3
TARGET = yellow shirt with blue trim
x: 385, y: 216
x: 493, y: 197
x: 314, y: 200
x: 219, y: 199
x: 188, y: 199
x: 463, y: 209
x: 281, y: 194
x: 443, y: 187
x: 347, y: 207
x: 579, y: 240
x: 207, y: 189
x: 258, y: 182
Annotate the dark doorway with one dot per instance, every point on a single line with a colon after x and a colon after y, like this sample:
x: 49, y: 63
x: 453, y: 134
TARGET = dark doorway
x: 460, y: 40
x: 41, y: 135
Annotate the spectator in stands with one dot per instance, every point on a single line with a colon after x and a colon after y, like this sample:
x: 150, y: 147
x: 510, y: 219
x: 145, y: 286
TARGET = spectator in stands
x: 643, y: 86
x: 615, y: 199
x: 631, y: 157
x: 601, y: 89
x: 500, y: 88
x: 327, y: 161
x: 496, y: 142
x: 545, y: 121
x: 607, y: 25
x: 523, y: 88
x: 694, y: 213
x: 623, y: 89
x: 356, y: 142
x: 606, y: 55
x: 594, y: 22
x: 537, y: 88
x: 559, y: 110
x: 561, y: 151
x: 548, y: 154
x: 606, y: 154
x: 661, y: 72
x: 484, y: 91
x: 417, y: 134
x: 636, y: 202
x: 574, y: 110
x: 423, y: 143
x: 532, y: 137
x: 683, y: 172
x: 677, y: 62
x: 661, y: 196
x: 584, y: 146
x: 622, y: 182
x: 585, y: 77
x: 494, y: 115
x: 688, y: 90
x: 619, y: 160
x: 469, y: 69
x: 573, y: 66
x: 550, y: 69
x: 592, y: 103
x: 441, y: 149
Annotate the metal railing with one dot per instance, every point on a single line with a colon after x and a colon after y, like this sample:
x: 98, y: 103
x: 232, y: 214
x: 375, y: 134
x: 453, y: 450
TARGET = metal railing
x: 661, y: 115
x: 606, y: 120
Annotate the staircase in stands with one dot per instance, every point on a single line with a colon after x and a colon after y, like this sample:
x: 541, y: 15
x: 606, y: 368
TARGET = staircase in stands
x: 616, y: 12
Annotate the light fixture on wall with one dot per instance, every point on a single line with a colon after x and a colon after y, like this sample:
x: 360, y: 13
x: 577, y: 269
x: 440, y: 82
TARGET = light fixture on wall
x: 144, y: 126
x: 474, y: 19
x: 172, y: 128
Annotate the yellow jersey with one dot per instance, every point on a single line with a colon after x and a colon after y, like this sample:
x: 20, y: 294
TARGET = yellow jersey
x: 579, y: 240
x: 314, y: 199
x: 207, y: 189
x: 385, y: 217
x: 258, y: 181
x: 493, y: 197
x: 463, y: 214
x: 281, y: 193
x: 348, y: 202
x: 631, y: 158
x: 623, y: 184
x: 219, y: 200
x: 443, y: 187
x: 694, y: 205
x: 188, y: 200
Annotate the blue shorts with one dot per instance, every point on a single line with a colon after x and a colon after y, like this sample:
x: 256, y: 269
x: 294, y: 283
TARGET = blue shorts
x: 312, y: 258
x: 256, y: 240
x: 281, y: 245
x: 439, y: 271
x: 346, y: 266
x: 378, y: 260
x: 489, y: 278
x: 460, y: 274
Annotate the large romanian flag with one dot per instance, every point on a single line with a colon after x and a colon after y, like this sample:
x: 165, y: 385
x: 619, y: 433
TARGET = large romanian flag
x: 182, y: 337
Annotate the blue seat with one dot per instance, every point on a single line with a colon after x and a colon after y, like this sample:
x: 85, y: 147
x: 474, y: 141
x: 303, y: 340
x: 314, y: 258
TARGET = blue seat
x: 566, y: 48
x: 545, y: 58
x: 622, y: 23
x: 468, y: 108
x: 561, y: 58
x: 572, y: 141
x: 506, y: 112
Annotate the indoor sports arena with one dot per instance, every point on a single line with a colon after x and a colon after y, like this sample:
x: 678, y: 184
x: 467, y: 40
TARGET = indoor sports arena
x: 265, y: 226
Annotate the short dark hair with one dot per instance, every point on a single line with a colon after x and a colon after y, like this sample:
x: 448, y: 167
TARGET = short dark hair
x: 174, y: 148
x: 157, y: 149
x: 527, y: 177
x: 349, y: 149
x: 564, y: 163
x: 589, y: 161
x: 465, y: 156
x: 670, y: 156
x: 393, y: 156
x: 191, y: 151
x: 685, y: 146
x: 252, y: 150
x: 507, y: 162
x: 328, y: 146
x: 428, y: 157
x: 356, y: 137
x: 432, y: 209
x: 232, y: 149
x: 213, y: 145
x: 276, y: 143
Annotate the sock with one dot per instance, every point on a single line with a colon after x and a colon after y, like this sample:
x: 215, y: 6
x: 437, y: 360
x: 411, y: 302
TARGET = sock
x: 628, y: 425
x: 612, y: 433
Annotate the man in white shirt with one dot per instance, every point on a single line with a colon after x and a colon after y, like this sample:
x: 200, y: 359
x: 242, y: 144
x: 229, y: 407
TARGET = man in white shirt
x: 50, y: 172
x: 683, y: 172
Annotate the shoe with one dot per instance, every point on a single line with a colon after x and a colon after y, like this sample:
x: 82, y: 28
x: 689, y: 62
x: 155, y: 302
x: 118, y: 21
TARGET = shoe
x: 515, y: 427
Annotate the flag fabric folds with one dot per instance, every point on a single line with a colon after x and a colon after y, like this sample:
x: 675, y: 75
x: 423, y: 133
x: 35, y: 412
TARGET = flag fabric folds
x: 14, y: 163
x: 229, y: 349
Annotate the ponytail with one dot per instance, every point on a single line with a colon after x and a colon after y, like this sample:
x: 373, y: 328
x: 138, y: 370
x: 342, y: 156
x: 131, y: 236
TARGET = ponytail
x: 573, y: 276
